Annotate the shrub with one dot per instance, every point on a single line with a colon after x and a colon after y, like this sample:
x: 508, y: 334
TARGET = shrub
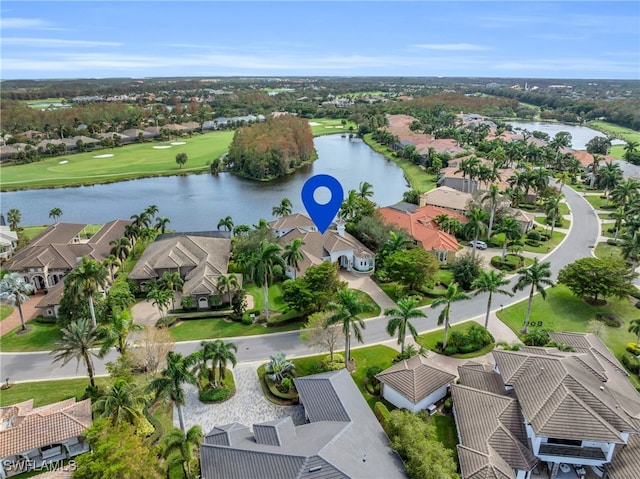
x: 448, y: 405
x: 631, y: 363
x: 633, y: 349
x: 335, y: 365
x: 167, y: 321
x: 609, y: 319
x: 215, y: 395
x: 533, y: 243
x: 613, y: 242
x: 534, y: 235
x: 382, y: 413
x: 451, y: 350
x: 286, y: 384
x: 466, y: 268
x: 43, y: 320
x: 246, y: 319
x: 372, y: 372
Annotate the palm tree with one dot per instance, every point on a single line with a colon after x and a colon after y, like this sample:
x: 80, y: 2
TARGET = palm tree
x: 630, y: 150
x: 55, y: 213
x: 261, y: 268
x: 365, y: 190
x: 400, y: 317
x: 634, y: 327
x: 186, y: 446
x: 122, y: 403
x: 171, y: 282
x: 283, y: 209
x: 227, y: 282
x: 512, y: 232
x: 226, y: 223
x: 169, y: 385
x: 450, y: 296
x: 87, y: 278
x: 619, y: 215
x: 120, y: 248
x: 397, y: 241
x: 490, y: 282
x: 609, y: 177
x: 293, y: 254
x: 476, y: 225
x: 349, y: 206
x: 151, y: 211
x: 625, y: 192
x: 14, y: 217
x: 220, y: 354
x: 630, y: 248
x: 111, y: 262
x: 79, y: 341
x: 142, y: 220
x: 161, y: 224
x: 563, y: 177
x: 552, y: 210
x: 346, y: 311
x: 115, y: 333
x: 13, y: 290
x: 160, y: 298
x: 537, y: 276
x: 492, y: 197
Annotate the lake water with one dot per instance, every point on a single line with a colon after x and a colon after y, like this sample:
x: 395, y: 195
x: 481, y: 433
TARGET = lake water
x: 198, y: 202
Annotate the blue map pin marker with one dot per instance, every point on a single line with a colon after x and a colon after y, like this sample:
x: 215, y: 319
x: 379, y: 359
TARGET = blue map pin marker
x: 322, y: 214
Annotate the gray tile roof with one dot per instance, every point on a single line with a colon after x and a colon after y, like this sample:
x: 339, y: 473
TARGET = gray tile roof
x: 415, y: 378
x: 481, y: 376
x: 626, y: 461
x: 320, y: 399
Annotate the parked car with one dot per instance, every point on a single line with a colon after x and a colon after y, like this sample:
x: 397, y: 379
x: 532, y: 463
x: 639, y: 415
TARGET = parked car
x: 478, y: 244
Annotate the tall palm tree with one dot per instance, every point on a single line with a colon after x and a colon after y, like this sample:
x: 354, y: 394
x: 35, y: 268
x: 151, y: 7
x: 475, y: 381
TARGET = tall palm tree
x: 400, y: 320
x: 181, y: 448
x: 151, y: 211
x: 14, y: 290
x: 161, y: 224
x: 111, y: 262
x: 634, y: 327
x: 116, y: 331
x: 349, y: 207
x: 226, y: 223
x: 537, y: 276
x: 512, y: 232
x: 87, y: 278
x: 261, y: 268
x: 79, y: 341
x: 293, y: 254
x: 609, y: 177
x: 630, y: 149
x: 55, y: 213
x: 492, y: 197
x: 397, y: 241
x: 563, y: 178
x: 346, y: 311
x: 171, y: 282
x: 630, y: 248
x: 476, y: 225
x: 619, y: 215
x: 120, y: 247
x: 365, y: 190
x: 131, y: 232
x: 552, y: 209
x: 122, y: 403
x: 169, y: 385
x: 142, y: 220
x: 160, y: 298
x: 227, y: 282
x: 490, y: 281
x: 220, y: 354
x: 283, y: 209
x: 451, y: 295
x: 14, y: 217
x: 625, y: 192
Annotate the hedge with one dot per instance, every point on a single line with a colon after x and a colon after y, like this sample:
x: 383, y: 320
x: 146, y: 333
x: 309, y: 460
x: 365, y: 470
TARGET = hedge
x: 631, y: 363
x: 382, y: 413
x: 215, y: 395
x: 633, y: 349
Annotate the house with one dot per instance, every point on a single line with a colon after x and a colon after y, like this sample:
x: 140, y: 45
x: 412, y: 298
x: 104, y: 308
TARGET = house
x: 335, y: 245
x: 8, y: 242
x: 200, y: 258
x: 415, y: 383
x: 57, y: 250
x: 419, y: 223
x: 446, y: 197
x: 342, y: 439
x: 558, y: 413
x: 32, y: 437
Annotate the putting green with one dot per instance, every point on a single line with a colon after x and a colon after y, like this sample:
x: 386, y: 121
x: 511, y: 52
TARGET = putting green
x: 132, y: 161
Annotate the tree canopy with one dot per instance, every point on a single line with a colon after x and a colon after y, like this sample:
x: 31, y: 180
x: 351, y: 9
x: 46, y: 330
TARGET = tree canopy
x: 594, y: 278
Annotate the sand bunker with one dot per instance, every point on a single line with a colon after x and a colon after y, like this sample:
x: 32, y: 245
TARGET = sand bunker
x: 314, y: 123
x: 108, y: 155
x: 178, y: 142
x: 63, y: 162
x: 161, y: 147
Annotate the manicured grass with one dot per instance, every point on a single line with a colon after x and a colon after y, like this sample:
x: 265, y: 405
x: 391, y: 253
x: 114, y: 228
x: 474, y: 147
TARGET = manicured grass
x: 375, y: 309
x: 416, y: 176
x: 599, y: 203
x: 220, y: 328
x: 562, y: 311
x: 275, y: 297
x: 563, y: 223
x: 446, y: 431
x: 47, y: 392
x: 42, y: 337
x: 545, y: 246
x: 132, y: 161
x: 429, y: 340
x: 331, y: 126
x: 604, y: 230
x: 606, y: 251
x: 621, y: 132
x: 366, y: 357
x: 444, y: 276
x: 5, y: 311
x: 392, y: 290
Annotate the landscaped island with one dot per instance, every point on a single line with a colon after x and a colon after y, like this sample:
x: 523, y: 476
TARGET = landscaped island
x: 271, y: 149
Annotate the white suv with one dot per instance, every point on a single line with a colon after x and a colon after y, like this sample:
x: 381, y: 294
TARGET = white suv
x: 478, y: 244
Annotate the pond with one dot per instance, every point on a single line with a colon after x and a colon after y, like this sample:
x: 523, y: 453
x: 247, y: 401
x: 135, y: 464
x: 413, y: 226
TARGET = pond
x: 198, y: 202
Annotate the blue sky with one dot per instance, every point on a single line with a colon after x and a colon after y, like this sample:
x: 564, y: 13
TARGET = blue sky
x: 544, y: 39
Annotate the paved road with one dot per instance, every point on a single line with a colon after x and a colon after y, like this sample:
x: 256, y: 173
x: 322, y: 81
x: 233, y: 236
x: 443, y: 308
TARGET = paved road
x: 579, y: 243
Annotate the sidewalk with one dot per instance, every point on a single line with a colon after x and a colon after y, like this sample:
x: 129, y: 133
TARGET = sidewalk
x: 29, y: 311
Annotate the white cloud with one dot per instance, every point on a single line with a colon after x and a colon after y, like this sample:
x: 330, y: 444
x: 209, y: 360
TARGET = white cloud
x: 15, y: 22
x: 55, y: 43
x: 450, y: 47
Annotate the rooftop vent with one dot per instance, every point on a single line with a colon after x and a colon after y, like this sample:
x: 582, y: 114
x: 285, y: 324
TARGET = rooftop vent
x: 315, y: 468
x: 601, y: 388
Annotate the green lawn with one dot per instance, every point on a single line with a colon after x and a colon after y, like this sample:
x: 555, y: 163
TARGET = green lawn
x: 47, y: 392
x: 365, y: 357
x: 564, y: 223
x: 446, y: 431
x: 429, y: 340
x: 562, y: 311
x: 42, y: 337
x: 330, y: 126
x: 131, y: 161
x: 546, y: 246
x: 621, y: 132
x: 27, y: 233
x: 275, y: 297
x: 416, y: 176
x: 604, y: 230
x: 375, y: 309
x: 599, y: 203
x: 606, y: 251
x: 5, y: 311
x: 215, y: 328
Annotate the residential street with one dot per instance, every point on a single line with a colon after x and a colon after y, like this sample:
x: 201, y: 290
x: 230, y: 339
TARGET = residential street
x: 585, y: 228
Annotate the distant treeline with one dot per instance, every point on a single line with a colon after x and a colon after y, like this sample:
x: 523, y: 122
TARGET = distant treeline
x: 271, y: 149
